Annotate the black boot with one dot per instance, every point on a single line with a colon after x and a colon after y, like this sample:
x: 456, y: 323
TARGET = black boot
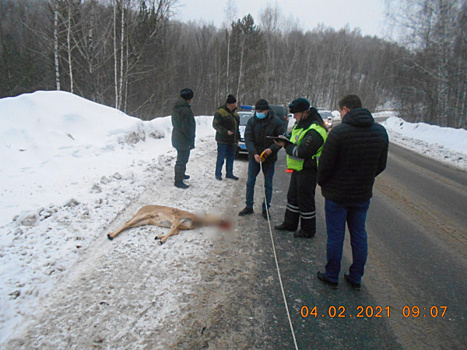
x: 303, y: 234
x: 354, y: 285
x: 181, y: 185
x: 246, y: 211
x: 284, y: 227
x: 322, y: 277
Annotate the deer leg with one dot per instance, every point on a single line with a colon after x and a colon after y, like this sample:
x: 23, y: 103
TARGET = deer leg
x: 134, y: 222
x: 174, y: 230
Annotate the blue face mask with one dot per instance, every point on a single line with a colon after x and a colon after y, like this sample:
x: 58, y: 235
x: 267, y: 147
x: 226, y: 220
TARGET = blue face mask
x: 261, y: 115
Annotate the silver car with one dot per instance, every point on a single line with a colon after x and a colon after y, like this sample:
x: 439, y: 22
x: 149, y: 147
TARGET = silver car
x: 327, y: 118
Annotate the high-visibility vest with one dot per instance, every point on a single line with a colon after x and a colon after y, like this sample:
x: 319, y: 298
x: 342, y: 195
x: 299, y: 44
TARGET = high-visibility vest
x: 297, y: 137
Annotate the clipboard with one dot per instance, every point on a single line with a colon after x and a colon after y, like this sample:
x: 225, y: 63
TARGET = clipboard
x: 278, y: 138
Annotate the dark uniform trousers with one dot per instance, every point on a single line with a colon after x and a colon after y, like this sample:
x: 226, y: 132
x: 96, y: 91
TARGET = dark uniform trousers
x: 301, y: 201
x: 180, y: 164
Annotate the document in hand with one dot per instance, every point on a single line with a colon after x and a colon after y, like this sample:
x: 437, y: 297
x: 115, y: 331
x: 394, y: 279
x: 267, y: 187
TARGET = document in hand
x: 280, y: 138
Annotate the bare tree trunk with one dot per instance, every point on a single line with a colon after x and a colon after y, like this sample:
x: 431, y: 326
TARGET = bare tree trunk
x: 91, y: 51
x: 125, y: 101
x: 240, y: 70
x: 230, y: 12
x: 68, y: 38
x: 122, y: 51
x: 56, y: 54
x: 227, y: 87
x: 115, y: 56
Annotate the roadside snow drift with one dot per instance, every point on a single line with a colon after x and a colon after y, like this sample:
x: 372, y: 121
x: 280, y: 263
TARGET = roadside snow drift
x: 68, y: 168
x: 443, y: 144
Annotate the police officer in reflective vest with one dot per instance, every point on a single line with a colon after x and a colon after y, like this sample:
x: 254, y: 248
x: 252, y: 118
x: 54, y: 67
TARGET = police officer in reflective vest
x: 303, y: 149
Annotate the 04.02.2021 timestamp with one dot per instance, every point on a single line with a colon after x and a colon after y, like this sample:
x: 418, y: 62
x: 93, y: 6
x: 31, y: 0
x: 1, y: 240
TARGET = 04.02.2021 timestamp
x: 373, y: 311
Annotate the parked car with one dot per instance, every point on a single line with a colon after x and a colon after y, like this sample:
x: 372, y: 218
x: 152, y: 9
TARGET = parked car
x: 327, y: 118
x: 244, y: 117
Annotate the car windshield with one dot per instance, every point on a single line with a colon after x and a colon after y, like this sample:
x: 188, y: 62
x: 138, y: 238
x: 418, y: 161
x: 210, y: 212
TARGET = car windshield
x: 244, y: 117
x: 324, y: 114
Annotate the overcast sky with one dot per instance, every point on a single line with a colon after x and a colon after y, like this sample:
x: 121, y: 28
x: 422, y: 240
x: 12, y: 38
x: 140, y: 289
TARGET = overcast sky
x: 368, y: 15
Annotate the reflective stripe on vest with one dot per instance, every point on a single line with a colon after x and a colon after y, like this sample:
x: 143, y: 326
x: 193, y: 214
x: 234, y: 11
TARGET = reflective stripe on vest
x: 297, y: 137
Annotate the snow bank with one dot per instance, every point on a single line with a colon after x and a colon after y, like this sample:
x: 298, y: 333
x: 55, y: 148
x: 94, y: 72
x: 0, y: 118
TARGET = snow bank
x: 68, y: 167
x: 55, y: 145
x: 443, y: 144
x: 449, y: 138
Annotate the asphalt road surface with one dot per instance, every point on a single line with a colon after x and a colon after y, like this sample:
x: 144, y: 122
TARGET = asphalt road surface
x: 413, y: 293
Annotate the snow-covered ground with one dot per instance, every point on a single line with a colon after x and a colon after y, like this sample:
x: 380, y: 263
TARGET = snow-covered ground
x: 446, y: 145
x: 69, y: 168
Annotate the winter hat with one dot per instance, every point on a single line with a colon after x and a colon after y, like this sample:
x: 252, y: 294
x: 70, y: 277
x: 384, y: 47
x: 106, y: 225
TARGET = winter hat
x: 231, y: 99
x: 299, y: 105
x: 262, y: 105
x: 187, y: 94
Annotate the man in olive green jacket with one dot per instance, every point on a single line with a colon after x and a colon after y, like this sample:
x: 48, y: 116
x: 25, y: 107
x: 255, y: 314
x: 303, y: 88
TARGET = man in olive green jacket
x: 226, y: 122
x: 183, y: 134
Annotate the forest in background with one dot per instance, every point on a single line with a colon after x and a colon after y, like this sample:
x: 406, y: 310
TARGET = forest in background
x: 131, y: 55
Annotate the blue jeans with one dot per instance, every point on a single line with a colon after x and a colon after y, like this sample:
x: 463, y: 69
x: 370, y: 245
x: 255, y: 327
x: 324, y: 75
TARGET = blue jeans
x: 227, y: 152
x: 253, y: 170
x: 336, y: 217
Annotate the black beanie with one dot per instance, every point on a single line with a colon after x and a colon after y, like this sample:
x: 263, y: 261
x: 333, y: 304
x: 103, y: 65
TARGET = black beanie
x: 187, y: 94
x: 231, y: 99
x: 299, y: 105
x: 262, y: 105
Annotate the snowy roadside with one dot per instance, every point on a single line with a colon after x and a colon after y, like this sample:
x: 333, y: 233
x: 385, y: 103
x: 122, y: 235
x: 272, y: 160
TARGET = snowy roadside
x: 71, y: 168
x: 446, y: 145
x: 124, y: 292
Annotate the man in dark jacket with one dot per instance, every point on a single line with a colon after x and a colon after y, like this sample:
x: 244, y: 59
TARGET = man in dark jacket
x: 354, y: 154
x: 226, y: 122
x: 264, y: 123
x: 183, y: 134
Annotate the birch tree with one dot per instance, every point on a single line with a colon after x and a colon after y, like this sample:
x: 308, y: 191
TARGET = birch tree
x: 230, y: 14
x: 56, y: 44
x: 431, y: 34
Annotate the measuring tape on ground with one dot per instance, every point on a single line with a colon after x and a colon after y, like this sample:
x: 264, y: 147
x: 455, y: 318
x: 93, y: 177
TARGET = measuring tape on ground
x: 275, y: 255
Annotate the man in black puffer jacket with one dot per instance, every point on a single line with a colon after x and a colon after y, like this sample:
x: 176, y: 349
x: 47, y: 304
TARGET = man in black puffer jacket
x: 264, y: 123
x: 354, y: 154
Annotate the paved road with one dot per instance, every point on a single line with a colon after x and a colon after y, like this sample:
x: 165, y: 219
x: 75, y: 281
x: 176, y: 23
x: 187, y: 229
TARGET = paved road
x: 417, y: 258
x: 418, y: 227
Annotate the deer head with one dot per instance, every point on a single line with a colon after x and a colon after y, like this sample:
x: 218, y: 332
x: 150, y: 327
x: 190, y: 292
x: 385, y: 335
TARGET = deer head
x: 213, y: 220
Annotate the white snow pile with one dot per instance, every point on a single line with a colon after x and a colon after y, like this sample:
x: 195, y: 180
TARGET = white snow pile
x: 442, y: 144
x: 69, y: 167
